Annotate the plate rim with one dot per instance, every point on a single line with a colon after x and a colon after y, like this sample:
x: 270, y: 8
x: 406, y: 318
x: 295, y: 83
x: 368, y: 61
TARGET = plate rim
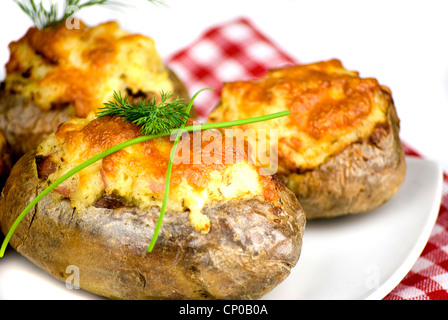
x: 416, y: 251
x: 403, y: 266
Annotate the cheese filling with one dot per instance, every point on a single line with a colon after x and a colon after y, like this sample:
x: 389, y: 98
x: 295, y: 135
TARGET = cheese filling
x: 137, y: 174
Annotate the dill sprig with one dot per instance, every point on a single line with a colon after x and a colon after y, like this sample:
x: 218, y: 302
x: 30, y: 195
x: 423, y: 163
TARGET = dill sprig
x: 50, y: 16
x: 101, y: 155
x: 152, y: 117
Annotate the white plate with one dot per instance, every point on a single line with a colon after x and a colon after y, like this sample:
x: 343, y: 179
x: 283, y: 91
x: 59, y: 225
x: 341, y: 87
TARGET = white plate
x: 355, y: 257
x: 366, y: 256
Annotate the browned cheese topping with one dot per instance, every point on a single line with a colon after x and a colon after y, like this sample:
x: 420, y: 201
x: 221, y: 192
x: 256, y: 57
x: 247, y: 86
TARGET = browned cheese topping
x: 57, y: 67
x: 330, y: 106
x: 137, y: 174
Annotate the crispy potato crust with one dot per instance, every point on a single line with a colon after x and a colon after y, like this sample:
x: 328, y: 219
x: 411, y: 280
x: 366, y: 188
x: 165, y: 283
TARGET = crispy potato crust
x: 250, y: 248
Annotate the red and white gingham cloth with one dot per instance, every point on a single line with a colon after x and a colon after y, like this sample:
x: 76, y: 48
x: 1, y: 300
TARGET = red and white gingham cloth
x: 237, y: 50
x: 233, y: 51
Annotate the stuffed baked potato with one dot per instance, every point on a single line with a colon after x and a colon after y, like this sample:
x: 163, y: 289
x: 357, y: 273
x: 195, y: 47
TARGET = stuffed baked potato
x: 339, y: 151
x: 57, y: 73
x: 229, y: 232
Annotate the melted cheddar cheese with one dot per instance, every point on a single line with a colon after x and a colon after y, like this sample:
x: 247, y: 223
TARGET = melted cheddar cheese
x: 137, y: 173
x: 330, y: 107
x: 56, y: 67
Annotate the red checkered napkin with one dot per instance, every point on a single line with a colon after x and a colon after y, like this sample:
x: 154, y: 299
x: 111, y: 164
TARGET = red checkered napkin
x: 238, y: 51
x: 234, y: 51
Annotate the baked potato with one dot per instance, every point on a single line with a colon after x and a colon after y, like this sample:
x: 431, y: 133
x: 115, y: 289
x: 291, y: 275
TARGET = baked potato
x: 57, y: 73
x: 229, y: 232
x: 339, y: 151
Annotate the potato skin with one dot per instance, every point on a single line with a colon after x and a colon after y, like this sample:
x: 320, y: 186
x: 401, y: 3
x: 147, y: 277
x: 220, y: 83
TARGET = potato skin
x: 360, y: 178
x: 25, y: 125
x: 250, y: 249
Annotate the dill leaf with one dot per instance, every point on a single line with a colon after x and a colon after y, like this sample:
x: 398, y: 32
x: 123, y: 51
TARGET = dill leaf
x: 152, y: 117
x: 47, y: 16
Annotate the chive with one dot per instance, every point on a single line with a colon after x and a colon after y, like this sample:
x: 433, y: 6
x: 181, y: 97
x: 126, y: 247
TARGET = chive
x: 126, y: 144
x: 168, y: 178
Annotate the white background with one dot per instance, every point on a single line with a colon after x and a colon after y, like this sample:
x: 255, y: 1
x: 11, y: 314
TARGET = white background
x: 404, y: 44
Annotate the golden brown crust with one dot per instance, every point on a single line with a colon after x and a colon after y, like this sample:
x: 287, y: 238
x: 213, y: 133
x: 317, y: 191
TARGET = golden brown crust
x: 250, y: 249
x: 149, y: 159
x: 324, y: 99
x: 56, y: 67
x: 330, y: 107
